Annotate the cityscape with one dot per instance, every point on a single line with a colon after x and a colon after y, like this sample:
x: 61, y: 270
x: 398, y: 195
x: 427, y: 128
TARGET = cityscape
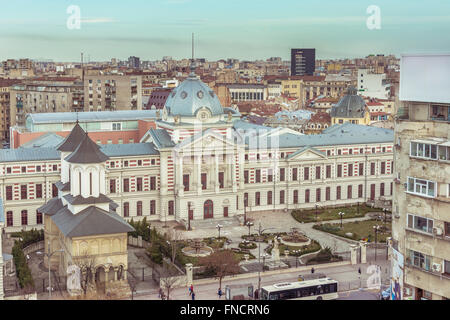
x: 316, y: 170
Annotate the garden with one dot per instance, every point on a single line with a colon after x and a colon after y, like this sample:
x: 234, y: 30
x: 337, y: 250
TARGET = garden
x: 326, y: 214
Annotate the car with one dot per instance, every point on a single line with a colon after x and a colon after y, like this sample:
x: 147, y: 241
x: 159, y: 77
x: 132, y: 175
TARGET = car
x: 386, y: 294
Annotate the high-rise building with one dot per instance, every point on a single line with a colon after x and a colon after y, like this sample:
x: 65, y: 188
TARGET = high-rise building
x: 4, y: 107
x: 421, y: 206
x: 303, y: 62
x: 134, y: 62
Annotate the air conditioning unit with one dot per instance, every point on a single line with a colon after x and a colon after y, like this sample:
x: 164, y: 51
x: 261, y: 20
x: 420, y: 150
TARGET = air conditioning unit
x: 437, y: 231
x: 436, y: 267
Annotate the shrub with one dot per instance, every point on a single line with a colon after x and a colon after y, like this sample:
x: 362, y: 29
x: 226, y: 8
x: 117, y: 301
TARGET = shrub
x: 142, y: 228
x: 23, y: 271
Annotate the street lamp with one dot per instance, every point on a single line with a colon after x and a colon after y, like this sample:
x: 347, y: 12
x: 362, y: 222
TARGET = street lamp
x: 384, y: 210
x: 249, y: 225
x: 376, y: 229
x: 357, y: 208
x: 316, y: 212
x: 342, y: 215
x: 219, y: 227
x: 190, y: 207
x: 260, y: 232
x: 49, y: 255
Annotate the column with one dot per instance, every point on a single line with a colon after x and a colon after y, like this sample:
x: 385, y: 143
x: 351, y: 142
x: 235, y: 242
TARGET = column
x: 233, y: 172
x: 179, y: 170
x: 198, y: 165
x: 363, y: 245
x: 216, y: 173
x: 353, y: 253
x: 189, y: 274
x: 115, y: 273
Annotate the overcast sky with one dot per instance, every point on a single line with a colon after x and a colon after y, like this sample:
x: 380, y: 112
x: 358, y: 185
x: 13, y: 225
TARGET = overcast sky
x: 243, y: 29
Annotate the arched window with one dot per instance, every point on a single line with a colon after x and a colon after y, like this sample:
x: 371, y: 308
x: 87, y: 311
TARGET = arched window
x: 24, y: 217
x: 126, y: 209
x: 208, y: 210
x: 139, y: 208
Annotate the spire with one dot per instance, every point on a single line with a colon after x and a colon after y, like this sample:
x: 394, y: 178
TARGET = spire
x: 87, y: 152
x: 192, y: 67
x: 73, y: 139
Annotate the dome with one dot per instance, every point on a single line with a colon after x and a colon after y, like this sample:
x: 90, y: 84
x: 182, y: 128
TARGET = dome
x: 191, y: 96
x: 350, y: 106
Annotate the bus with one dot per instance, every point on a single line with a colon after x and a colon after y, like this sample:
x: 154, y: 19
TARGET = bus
x: 317, y: 289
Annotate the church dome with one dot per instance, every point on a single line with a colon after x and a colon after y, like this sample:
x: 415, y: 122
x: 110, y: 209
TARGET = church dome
x: 191, y: 96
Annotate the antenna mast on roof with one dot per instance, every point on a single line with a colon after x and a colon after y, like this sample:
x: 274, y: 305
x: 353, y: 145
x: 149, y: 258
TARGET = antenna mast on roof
x: 192, y: 60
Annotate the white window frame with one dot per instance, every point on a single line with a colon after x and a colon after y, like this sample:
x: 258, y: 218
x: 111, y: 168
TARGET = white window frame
x: 430, y: 224
x: 424, y: 146
x: 116, y: 126
x: 418, y: 185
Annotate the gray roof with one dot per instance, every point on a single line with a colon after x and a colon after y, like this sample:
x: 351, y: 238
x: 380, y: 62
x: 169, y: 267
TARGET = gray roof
x: 73, y: 140
x: 29, y: 154
x: 90, y: 221
x: 47, y: 140
x: 51, y: 207
x: 87, y: 152
x: 63, y: 186
x: 71, y: 117
x: 161, y: 138
x: 91, y: 200
x: 191, y: 96
x: 350, y: 106
x: 129, y: 149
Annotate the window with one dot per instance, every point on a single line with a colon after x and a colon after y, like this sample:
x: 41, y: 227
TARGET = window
x: 139, y: 184
x: 204, y: 181
x: 126, y: 209
x: 112, y: 186
x: 126, y: 185
x: 282, y: 197
x: 361, y: 150
x: 318, y: 171
x: 152, y: 207
x: 139, y: 208
x: 186, y: 182
x: 360, y: 191
x: 295, y: 196
x: 24, y: 169
x: 55, y: 167
x: 245, y: 199
x: 282, y: 176
x: 350, y: 151
x: 9, y: 219
x: 419, y: 260
x: 258, y: 176
x: 39, y: 191
x: 421, y: 187
x: 383, y: 167
x: 382, y: 189
x: 171, y: 207
x: 9, y: 193
x: 306, y: 174
x: 23, y: 192
x: 373, y: 150
x: 221, y: 180
x: 270, y: 175
x: 339, y: 170
x: 139, y: 162
x: 117, y: 126
x: 372, y: 168
x: 125, y: 163
x: 153, y: 162
x: 318, y: 195
x: 361, y: 169
x: 419, y: 223
x: 246, y: 157
x: 257, y: 199
x: 328, y: 172
x: 423, y: 150
x: 152, y: 183
x: 269, y: 197
x: 8, y: 170
x: 307, y: 196
x: 246, y: 176
x: 349, y: 192
x: 24, y: 217
x: 338, y: 193
x: 294, y: 174
x: 112, y: 164
x: 328, y: 194
x: 38, y: 217
x: 350, y: 170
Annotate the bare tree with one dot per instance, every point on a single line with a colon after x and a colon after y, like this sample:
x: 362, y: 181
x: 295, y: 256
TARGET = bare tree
x: 86, y: 263
x: 224, y: 263
x: 173, y: 240
x: 168, y: 278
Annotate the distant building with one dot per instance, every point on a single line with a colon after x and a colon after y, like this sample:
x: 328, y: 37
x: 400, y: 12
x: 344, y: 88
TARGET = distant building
x: 134, y: 62
x: 158, y: 98
x: 5, y: 107
x: 318, y: 122
x: 247, y: 92
x: 303, y: 62
x: 373, y: 85
x: 351, y: 108
x: 2, y: 225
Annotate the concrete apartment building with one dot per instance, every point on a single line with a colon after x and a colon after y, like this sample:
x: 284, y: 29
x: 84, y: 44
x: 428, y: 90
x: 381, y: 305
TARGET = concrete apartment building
x: 112, y: 92
x: 42, y: 95
x: 373, y: 85
x: 421, y: 206
x: 4, y: 107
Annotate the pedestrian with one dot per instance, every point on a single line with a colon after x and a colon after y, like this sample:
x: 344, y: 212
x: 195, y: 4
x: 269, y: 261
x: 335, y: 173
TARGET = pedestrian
x: 256, y: 294
x: 219, y: 292
x: 312, y: 270
x: 193, y: 295
x: 359, y: 270
x: 160, y: 293
x: 191, y: 289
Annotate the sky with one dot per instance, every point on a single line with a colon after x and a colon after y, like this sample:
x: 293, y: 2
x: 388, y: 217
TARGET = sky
x: 242, y: 29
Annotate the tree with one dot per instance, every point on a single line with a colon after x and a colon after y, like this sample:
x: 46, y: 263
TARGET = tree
x: 168, y: 278
x: 223, y: 263
x: 173, y: 239
x: 86, y: 263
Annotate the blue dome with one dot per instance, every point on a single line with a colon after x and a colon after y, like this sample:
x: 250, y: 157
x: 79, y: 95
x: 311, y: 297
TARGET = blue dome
x: 190, y: 96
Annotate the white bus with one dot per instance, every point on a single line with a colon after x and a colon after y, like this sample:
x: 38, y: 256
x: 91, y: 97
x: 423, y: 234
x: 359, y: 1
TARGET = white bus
x: 317, y: 289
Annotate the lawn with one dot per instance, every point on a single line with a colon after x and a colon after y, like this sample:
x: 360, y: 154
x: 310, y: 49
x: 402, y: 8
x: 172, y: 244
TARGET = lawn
x: 326, y: 214
x: 313, y: 247
x: 359, y: 229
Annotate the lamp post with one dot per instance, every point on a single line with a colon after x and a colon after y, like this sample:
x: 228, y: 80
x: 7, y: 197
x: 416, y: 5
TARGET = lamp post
x: 316, y: 212
x: 219, y: 227
x: 190, y: 207
x: 49, y: 255
x: 342, y: 215
x: 376, y: 229
x: 384, y: 210
x: 249, y: 225
x: 357, y: 208
x: 260, y: 232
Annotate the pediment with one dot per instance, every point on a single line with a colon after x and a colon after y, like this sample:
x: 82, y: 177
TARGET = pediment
x: 307, y: 154
x: 210, y: 141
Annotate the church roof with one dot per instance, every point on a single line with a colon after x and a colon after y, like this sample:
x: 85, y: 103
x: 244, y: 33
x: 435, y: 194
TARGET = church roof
x: 91, y: 221
x: 192, y: 95
x: 91, y: 200
x: 350, y: 106
x: 87, y: 152
x: 73, y: 140
x: 51, y: 207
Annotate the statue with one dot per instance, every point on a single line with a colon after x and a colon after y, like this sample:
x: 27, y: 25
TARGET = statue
x: 275, y: 250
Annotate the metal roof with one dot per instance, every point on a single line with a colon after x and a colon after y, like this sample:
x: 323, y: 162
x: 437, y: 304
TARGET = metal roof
x: 350, y: 106
x: 49, y: 139
x: 73, y: 140
x: 87, y: 152
x: 29, y: 154
x: 71, y: 117
x: 129, y: 149
x: 161, y: 138
x: 51, y: 207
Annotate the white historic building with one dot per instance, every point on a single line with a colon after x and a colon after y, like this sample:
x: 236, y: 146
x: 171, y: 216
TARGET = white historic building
x: 203, y: 162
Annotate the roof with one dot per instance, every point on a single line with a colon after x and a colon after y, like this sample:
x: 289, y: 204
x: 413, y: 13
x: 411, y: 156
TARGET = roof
x: 63, y: 186
x: 87, y: 152
x: 49, y: 139
x: 90, y: 221
x: 350, y: 106
x: 71, y: 117
x: 73, y: 140
x: 29, y: 154
x: 51, y: 207
x: 129, y: 149
x: 161, y: 138
x: 91, y: 200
